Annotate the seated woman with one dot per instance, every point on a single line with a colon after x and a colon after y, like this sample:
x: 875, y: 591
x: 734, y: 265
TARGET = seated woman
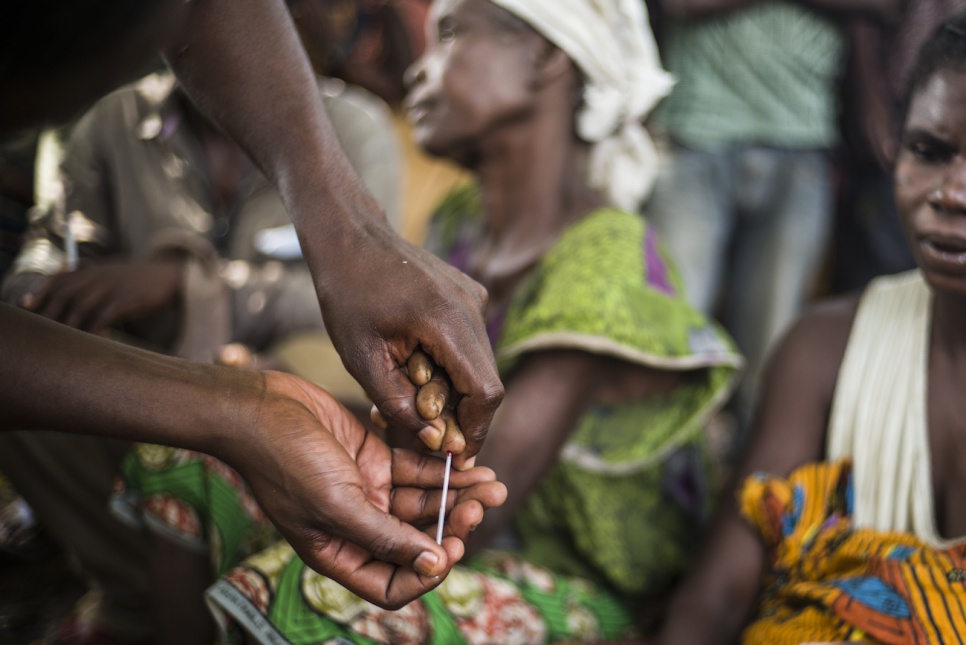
x: 850, y: 513
x: 610, y: 376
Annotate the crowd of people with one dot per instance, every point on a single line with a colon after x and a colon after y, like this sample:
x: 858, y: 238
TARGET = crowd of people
x: 694, y: 318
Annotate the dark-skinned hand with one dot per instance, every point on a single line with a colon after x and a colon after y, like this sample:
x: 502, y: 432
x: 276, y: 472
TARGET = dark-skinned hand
x: 99, y: 296
x: 347, y: 503
x: 389, y: 298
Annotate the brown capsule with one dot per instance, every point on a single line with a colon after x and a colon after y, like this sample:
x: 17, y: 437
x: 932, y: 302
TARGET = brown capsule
x: 431, y: 398
x: 453, y: 440
x: 420, y: 368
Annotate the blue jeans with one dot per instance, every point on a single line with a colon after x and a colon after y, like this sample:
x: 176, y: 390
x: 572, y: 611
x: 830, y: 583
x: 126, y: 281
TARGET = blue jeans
x: 748, y: 226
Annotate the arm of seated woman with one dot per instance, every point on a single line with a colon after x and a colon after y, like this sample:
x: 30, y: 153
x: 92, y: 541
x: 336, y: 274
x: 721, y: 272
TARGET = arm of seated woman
x: 547, y: 394
x: 714, y: 602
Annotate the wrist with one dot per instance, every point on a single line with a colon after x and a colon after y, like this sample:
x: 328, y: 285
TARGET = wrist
x: 331, y: 208
x: 354, y: 230
x: 224, y: 405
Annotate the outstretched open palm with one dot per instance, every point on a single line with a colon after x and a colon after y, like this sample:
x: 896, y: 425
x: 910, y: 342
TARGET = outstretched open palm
x: 348, y: 504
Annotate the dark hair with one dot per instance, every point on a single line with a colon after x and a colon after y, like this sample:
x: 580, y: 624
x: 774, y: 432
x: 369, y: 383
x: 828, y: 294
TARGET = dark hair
x: 39, y: 37
x: 944, y: 50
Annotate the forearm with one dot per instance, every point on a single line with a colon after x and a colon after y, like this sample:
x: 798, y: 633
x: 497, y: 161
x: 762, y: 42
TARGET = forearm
x: 241, y: 61
x: 57, y: 378
x: 546, y: 396
x: 717, y: 598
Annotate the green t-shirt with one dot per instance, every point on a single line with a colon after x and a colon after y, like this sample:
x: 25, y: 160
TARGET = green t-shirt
x: 765, y: 74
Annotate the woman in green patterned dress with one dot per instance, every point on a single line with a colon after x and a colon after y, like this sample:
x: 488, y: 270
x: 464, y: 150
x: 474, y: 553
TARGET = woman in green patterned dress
x: 610, y: 376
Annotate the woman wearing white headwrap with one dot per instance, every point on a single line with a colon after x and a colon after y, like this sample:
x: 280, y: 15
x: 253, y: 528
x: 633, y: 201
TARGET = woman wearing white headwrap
x: 610, y: 376
x: 611, y: 45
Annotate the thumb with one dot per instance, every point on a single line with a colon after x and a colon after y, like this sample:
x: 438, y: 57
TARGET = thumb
x: 389, y: 539
x: 395, y: 397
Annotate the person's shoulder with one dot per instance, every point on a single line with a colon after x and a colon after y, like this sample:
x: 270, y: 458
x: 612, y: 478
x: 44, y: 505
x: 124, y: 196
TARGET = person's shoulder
x: 603, y: 228
x: 827, y: 321
x: 814, y: 346
x: 601, y: 284
x: 612, y: 249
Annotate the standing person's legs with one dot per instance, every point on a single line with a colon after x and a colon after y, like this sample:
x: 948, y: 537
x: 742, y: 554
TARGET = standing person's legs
x: 67, y: 480
x: 785, y: 211
x: 691, y: 210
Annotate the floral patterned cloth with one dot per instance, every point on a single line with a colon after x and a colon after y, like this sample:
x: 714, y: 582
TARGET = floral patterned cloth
x: 497, y: 598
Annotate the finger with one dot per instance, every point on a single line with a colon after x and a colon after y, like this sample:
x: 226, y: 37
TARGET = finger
x: 453, y: 440
x: 426, y: 471
x: 472, y: 372
x: 431, y: 398
x: 420, y: 507
x: 389, y: 539
x: 384, y: 584
x: 395, y: 396
x: 432, y: 435
x: 461, y: 521
x: 93, y: 310
x: 103, y: 317
x: 103, y: 311
x: 408, y: 585
x: 420, y: 368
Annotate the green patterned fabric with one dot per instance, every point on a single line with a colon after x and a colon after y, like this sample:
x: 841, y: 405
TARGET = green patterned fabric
x: 613, y: 522
x: 496, y: 598
x: 193, y: 499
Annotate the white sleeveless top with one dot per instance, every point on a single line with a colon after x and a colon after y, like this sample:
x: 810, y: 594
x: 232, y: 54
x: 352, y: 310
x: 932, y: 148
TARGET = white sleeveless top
x: 879, y: 411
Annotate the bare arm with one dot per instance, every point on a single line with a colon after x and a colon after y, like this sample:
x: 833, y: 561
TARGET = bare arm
x: 717, y: 598
x: 338, y: 494
x: 381, y: 297
x: 546, y: 396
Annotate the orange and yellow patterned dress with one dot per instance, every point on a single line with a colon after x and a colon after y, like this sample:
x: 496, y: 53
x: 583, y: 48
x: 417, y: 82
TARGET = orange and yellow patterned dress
x: 829, y: 581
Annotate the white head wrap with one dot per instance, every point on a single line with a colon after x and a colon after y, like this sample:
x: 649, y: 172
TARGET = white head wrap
x: 611, y: 42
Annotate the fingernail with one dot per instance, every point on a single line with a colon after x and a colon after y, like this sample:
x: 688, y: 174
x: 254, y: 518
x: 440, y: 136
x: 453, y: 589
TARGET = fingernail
x: 469, y: 463
x: 426, y: 563
x: 431, y: 436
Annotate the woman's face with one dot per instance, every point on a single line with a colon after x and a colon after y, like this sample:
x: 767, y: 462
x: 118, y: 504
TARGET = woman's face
x: 930, y: 180
x: 475, y: 79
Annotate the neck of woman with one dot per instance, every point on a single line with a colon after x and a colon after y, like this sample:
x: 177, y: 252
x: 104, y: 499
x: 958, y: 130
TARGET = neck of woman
x: 533, y: 186
x: 949, y: 324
